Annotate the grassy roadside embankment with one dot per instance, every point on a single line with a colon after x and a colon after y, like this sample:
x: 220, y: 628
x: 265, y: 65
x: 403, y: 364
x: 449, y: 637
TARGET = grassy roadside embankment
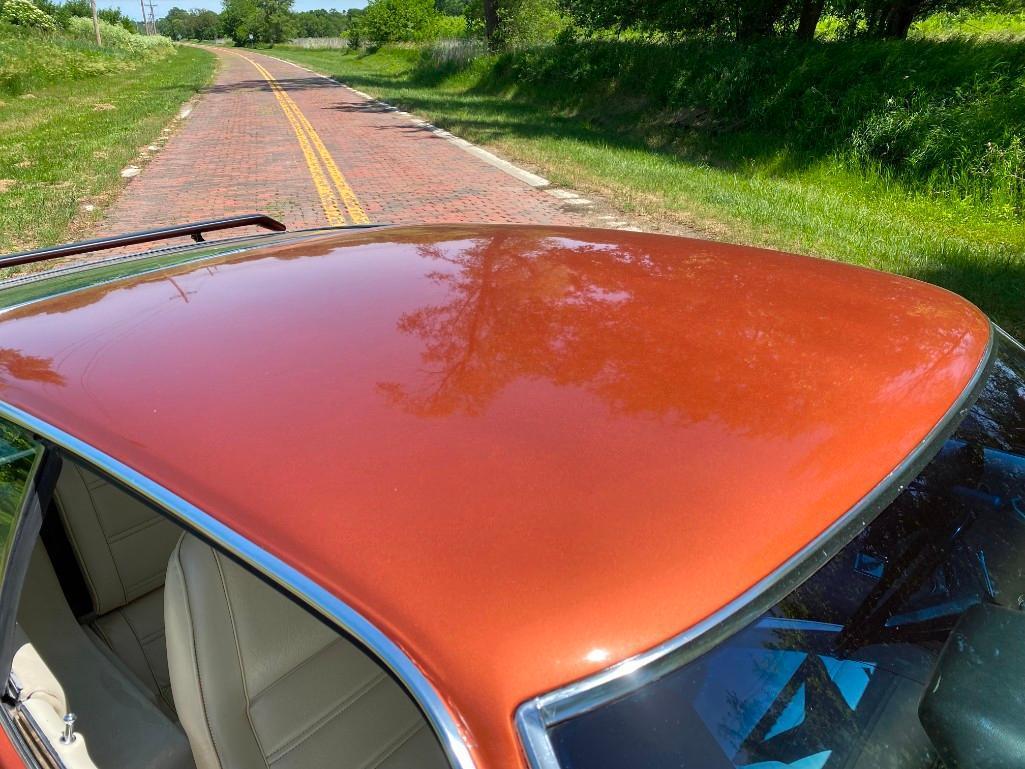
x: 72, y: 115
x: 897, y: 155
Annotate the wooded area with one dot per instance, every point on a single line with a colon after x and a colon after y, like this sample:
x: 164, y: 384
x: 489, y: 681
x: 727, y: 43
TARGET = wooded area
x: 513, y: 23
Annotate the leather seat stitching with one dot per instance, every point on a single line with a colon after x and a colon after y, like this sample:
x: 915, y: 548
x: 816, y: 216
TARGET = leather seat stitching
x: 146, y: 585
x: 135, y: 529
x: 153, y: 637
x: 238, y: 654
x: 290, y: 671
x: 396, y: 744
x: 195, y: 654
x: 339, y: 708
x: 142, y: 648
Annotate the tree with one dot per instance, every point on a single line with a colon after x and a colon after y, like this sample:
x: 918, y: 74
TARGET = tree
x: 753, y: 19
x: 321, y: 23
x: 893, y: 18
x: 811, y: 12
x: 180, y: 24
x: 173, y: 24
x: 249, y: 22
x: 490, y: 10
x: 511, y: 23
x: 114, y: 16
x: 390, y: 21
x: 205, y: 25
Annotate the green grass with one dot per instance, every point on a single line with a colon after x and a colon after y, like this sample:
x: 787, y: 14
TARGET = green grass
x: 993, y: 26
x: 760, y: 146
x: 70, y: 120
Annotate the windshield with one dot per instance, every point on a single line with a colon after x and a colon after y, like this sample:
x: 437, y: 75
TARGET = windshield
x: 833, y: 674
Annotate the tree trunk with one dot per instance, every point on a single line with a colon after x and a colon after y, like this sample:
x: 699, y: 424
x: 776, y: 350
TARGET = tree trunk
x: 758, y: 22
x: 490, y: 21
x: 898, y: 19
x: 811, y: 12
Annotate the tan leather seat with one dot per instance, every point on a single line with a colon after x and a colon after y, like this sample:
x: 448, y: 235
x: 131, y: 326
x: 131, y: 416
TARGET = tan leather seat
x: 122, y: 547
x: 60, y: 668
x: 260, y: 682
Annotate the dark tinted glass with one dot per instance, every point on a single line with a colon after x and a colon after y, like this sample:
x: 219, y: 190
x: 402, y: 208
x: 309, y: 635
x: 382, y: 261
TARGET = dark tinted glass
x: 832, y: 675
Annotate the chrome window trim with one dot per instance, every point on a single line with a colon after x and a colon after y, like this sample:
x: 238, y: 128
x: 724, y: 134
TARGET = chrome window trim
x: 288, y: 578
x: 535, y: 717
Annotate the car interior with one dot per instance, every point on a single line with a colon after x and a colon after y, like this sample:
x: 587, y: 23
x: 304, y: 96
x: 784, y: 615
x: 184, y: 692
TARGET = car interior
x: 171, y: 655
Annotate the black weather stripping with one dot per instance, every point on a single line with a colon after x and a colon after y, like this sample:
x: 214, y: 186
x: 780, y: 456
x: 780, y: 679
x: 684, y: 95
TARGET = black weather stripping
x: 196, y: 230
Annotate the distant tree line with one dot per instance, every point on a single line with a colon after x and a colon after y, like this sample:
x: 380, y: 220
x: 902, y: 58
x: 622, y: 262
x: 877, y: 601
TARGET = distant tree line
x: 196, y: 24
x: 321, y: 23
x: 511, y: 23
x: 254, y: 22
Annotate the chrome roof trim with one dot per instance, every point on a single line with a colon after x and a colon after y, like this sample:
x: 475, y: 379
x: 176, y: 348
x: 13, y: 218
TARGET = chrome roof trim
x: 108, y: 281
x: 288, y: 578
x: 241, y: 244
x: 536, y: 716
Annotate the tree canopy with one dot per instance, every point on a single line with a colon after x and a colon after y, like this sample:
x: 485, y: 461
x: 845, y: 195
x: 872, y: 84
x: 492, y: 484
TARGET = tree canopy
x: 388, y: 21
x: 249, y: 22
x: 752, y: 19
x: 321, y: 23
x: 196, y: 24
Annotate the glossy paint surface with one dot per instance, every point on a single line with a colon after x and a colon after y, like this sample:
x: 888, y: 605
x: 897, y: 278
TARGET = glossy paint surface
x: 523, y: 453
x: 9, y: 756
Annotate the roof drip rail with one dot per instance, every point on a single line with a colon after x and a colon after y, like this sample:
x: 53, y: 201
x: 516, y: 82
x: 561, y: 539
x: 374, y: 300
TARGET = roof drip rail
x: 195, y: 229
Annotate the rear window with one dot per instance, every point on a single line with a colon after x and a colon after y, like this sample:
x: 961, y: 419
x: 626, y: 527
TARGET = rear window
x: 833, y: 674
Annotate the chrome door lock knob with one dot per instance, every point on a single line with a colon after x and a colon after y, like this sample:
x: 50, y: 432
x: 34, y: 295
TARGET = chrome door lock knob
x: 69, y: 735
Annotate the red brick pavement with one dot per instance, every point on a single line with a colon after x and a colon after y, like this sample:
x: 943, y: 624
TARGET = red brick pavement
x: 238, y: 153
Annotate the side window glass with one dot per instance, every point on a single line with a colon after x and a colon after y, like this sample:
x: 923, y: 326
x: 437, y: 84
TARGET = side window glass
x: 18, y: 454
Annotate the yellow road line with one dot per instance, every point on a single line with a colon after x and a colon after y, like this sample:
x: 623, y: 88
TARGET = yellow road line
x: 328, y: 201
x: 300, y: 123
x: 356, y: 212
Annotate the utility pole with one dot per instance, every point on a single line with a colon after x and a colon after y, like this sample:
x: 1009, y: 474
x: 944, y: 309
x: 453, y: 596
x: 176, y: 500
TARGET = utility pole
x: 152, y: 23
x: 96, y: 23
x: 142, y: 7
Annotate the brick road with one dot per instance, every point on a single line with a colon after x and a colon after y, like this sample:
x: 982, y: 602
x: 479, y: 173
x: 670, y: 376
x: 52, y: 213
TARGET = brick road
x: 238, y: 152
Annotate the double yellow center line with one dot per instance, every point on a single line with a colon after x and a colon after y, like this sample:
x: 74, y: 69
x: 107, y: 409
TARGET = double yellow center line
x: 335, y: 193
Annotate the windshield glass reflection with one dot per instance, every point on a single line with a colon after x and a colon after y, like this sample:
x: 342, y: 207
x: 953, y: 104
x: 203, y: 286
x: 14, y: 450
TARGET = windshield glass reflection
x: 832, y: 675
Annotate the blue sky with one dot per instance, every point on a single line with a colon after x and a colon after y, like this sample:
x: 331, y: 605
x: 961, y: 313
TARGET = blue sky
x: 161, y: 7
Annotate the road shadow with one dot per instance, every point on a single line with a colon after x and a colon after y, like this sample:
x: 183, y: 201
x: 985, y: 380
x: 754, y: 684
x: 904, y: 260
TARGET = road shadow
x: 261, y: 85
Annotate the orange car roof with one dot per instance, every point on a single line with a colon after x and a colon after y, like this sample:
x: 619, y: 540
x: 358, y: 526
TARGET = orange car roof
x: 523, y: 452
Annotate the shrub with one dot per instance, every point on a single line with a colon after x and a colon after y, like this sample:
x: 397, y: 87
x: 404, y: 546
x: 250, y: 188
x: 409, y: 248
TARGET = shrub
x: 33, y: 59
x: 530, y: 22
x: 449, y: 27
x: 24, y: 14
x: 395, y: 21
x: 119, y: 38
